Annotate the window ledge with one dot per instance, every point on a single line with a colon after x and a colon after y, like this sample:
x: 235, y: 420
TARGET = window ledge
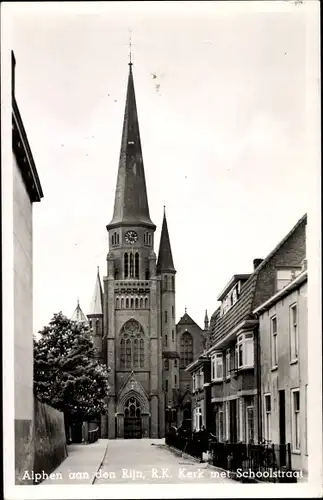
x: 293, y: 361
x: 296, y: 452
x: 274, y: 368
x: 217, y: 381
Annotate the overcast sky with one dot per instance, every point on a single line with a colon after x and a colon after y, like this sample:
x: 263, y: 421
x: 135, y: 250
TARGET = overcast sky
x: 223, y: 131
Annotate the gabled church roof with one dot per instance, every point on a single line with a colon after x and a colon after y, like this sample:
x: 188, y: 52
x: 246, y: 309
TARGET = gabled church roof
x: 187, y: 320
x: 131, y: 202
x: 79, y: 315
x: 165, y: 257
x: 96, y: 304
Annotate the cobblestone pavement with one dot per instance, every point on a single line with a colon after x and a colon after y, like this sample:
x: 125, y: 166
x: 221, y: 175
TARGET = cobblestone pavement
x: 151, y: 461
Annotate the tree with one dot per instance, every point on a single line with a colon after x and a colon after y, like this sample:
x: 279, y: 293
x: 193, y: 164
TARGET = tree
x: 67, y: 373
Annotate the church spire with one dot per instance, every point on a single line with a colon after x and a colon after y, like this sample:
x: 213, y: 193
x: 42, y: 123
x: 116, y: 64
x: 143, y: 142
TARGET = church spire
x: 131, y: 202
x: 165, y: 257
x: 96, y: 304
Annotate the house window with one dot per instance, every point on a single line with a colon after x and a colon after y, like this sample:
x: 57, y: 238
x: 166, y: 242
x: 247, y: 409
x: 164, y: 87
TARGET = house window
x: 250, y: 434
x: 293, y: 332
x: 274, y: 342
x: 166, y: 341
x: 165, y: 316
x: 221, y: 429
x: 201, y: 378
x: 175, y: 363
x: 175, y: 379
x: 217, y: 366
x: 173, y: 312
x: 186, y: 350
x: 193, y: 382
x: 227, y: 420
x: 173, y: 283
x: 173, y: 335
x: 166, y: 385
x: 166, y: 364
x: 245, y: 351
x: 240, y: 420
x: 296, y: 445
x: 267, y: 417
x: 285, y: 276
x: 198, y: 418
x: 227, y: 363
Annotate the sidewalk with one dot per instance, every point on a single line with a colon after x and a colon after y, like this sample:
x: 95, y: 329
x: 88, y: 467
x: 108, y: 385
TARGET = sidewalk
x: 81, y: 465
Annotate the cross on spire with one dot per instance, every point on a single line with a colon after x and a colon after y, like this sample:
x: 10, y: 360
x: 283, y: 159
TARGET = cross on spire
x: 130, y: 62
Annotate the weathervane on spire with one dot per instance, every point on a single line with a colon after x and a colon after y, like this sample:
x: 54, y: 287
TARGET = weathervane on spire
x: 130, y: 62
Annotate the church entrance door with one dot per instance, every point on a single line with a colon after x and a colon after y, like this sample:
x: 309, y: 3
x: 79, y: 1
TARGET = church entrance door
x: 132, y: 419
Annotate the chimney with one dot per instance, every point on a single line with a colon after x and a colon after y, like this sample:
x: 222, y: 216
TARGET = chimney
x: 256, y: 263
x: 13, y: 69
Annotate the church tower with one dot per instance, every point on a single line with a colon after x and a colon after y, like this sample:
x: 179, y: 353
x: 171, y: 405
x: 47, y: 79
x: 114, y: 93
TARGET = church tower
x: 95, y: 317
x: 131, y: 301
x: 166, y: 271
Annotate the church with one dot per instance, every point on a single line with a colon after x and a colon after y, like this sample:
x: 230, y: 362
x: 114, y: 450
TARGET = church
x: 132, y: 316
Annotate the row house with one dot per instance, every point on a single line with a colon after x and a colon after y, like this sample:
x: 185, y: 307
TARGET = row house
x: 283, y: 358
x: 228, y: 378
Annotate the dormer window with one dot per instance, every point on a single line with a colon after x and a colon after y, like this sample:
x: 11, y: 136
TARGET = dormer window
x: 285, y: 276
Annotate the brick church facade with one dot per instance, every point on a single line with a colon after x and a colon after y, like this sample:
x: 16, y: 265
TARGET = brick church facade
x: 132, y: 317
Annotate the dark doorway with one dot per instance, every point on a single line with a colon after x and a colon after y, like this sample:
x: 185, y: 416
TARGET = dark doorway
x: 282, y: 427
x: 233, y: 421
x: 187, y: 412
x: 132, y: 420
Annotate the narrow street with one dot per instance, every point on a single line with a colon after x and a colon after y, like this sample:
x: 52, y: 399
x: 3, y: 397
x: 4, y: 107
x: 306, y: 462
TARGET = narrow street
x: 150, y: 461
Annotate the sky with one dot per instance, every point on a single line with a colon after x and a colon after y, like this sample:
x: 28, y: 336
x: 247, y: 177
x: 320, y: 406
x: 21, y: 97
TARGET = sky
x: 223, y: 129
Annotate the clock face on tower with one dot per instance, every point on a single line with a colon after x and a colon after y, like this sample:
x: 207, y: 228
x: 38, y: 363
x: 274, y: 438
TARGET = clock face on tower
x: 131, y: 237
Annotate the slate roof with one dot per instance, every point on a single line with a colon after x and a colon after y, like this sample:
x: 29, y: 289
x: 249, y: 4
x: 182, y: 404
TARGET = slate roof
x: 131, y: 202
x: 165, y: 257
x: 96, y: 304
x: 242, y: 309
x: 78, y: 314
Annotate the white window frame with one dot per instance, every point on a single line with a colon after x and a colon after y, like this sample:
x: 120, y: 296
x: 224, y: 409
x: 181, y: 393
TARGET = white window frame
x: 293, y: 333
x: 201, y: 378
x: 227, y: 363
x: 250, y: 407
x: 290, y: 274
x: 197, y: 420
x: 240, y: 417
x: 194, y: 382
x: 227, y: 420
x: 245, y: 341
x: 267, y: 415
x: 221, y: 424
x: 215, y: 363
x: 296, y: 421
x: 274, y: 342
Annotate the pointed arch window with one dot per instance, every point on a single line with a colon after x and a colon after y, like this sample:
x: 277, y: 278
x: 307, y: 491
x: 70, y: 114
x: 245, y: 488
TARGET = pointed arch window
x: 141, y: 303
x: 126, y: 265
x: 186, y: 351
x: 127, y: 303
x: 122, y: 303
x: 147, y: 275
x: 137, y: 265
x: 117, y: 303
x: 132, y: 345
x: 131, y: 303
x: 146, y: 303
x: 131, y: 266
x: 136, y: 302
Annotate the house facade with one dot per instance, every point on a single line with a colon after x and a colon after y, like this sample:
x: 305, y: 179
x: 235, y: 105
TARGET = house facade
x: 26, y: 191
x: 233, y: 392
x: 284, y: 375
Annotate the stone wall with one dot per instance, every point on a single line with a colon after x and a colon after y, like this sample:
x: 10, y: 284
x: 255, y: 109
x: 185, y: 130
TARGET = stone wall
x: 49, y: 437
